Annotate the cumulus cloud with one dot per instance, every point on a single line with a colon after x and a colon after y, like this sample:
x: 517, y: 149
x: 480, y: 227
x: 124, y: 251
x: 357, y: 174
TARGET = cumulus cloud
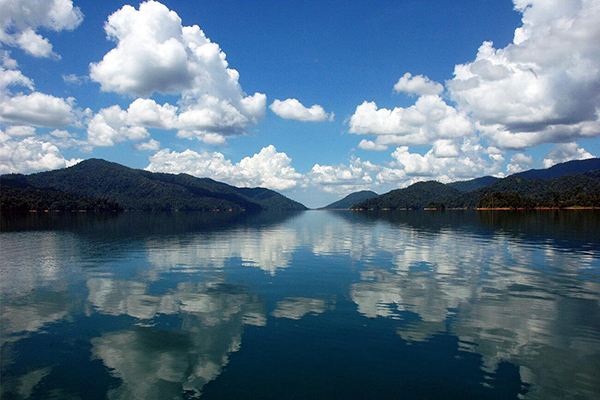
x: 519, y: 162
x: 110, y: 127
x: 35, y: 108
x: 444, y: 148
x: 565, y: 152
x: 59, y: 133
x: 19, y: 21
x: 341, y: 178
x: 413, y: 163
x: 20, y: 131
x: 155, y: 53
x: 541, y: 88
x: 293, y: 109
x: 371, y: 145
x: 10, y: 76
x: 268, y: 168
x: 148, y: 113
x: 417, y: 85
x: 151, y: 145
x: 446, y: 161
x: 429, y: 119
x: 30, y: 155
x: 38, y: 109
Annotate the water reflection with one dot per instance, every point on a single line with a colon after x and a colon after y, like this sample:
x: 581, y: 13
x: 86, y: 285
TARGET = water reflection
x: 298, y: 307
x: 158, y: 361
x: 161, y: 305
x: 502, y: 297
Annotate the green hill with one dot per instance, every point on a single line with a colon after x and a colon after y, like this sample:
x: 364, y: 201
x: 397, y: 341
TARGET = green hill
x: 473, y: 184
x: 353, y: 198
x: 417, y: 196
x: 557, y: 186
x: 25, y: 199
x: 142, y: 190
x: 581, y: 190
x: 562, y: 169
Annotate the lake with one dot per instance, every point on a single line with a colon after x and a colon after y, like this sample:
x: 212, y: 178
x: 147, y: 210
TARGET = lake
x: 310, y: 305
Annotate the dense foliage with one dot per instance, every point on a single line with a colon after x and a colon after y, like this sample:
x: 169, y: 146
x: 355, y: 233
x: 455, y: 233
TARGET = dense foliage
x: 578, y: 190
x: 417, y: 196
x: 473, y: 184
x: 350, y: 200
x: 142, y: 190
x: 270, y: 199
x: 562, y: 169
x: 16, y: 200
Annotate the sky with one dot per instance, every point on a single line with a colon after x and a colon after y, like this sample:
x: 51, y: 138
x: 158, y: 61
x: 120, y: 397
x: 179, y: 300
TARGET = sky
x: 314, y: 99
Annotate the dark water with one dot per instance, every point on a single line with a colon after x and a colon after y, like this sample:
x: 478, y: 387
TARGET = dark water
x: 315, y: 305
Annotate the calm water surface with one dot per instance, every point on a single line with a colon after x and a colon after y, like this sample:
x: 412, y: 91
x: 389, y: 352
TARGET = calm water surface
x: 314, y: 305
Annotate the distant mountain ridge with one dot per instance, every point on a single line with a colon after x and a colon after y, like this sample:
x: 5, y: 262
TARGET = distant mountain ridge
x: 473, y: 184
x: 135, y: 189
x: 416, y: 196
x: 353, y: 198
x: 554, y: 187
x: 562, y: 169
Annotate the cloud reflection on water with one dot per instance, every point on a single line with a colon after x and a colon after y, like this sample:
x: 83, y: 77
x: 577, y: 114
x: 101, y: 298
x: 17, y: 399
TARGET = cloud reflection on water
x: 524, y: 291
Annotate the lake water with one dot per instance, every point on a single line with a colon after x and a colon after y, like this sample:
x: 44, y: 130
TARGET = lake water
x: 312, y: 305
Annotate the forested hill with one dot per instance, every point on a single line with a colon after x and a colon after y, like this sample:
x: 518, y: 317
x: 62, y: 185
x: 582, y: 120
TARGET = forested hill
x: 20, y: 199
x: 350, y: 200
x: 552, y: 187
x: 473, y: 184
x: 562, y: 169
x: 417, y: 196
x: 577, y: 190
x: 142, y: 190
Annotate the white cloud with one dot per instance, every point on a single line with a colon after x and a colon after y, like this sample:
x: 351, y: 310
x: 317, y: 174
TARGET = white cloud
x: 30, y: 155
x: 293, y: 109
x: 372, y: 146
x: 445, y: 148
x: 73, y: 79
x: 429, y: 119
x: 519, y: 162
x: 414, y: 163
x: 61, y: 134
x: 20, y: 19
x: 155, y: 53
x: 37, y: 109
x: 213, y: 139
x: 20, y: 131
x: 565, y: 152
x: 446, y: 161
x: 151, y: 145
x: 341, y: 178
x: 34, y: 44
x: 268, y: 168
x: 147, y: 113
x: 110, y: 127
x: 192, y: 124
x: 13, y: 77
x: 418, y: 85
x: 543, y: 87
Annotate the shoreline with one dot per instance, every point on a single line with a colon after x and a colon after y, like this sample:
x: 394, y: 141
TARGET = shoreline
x: 475, y: 209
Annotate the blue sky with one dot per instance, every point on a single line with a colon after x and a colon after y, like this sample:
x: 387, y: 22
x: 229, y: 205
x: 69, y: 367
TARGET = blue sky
x: 525, y: 101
